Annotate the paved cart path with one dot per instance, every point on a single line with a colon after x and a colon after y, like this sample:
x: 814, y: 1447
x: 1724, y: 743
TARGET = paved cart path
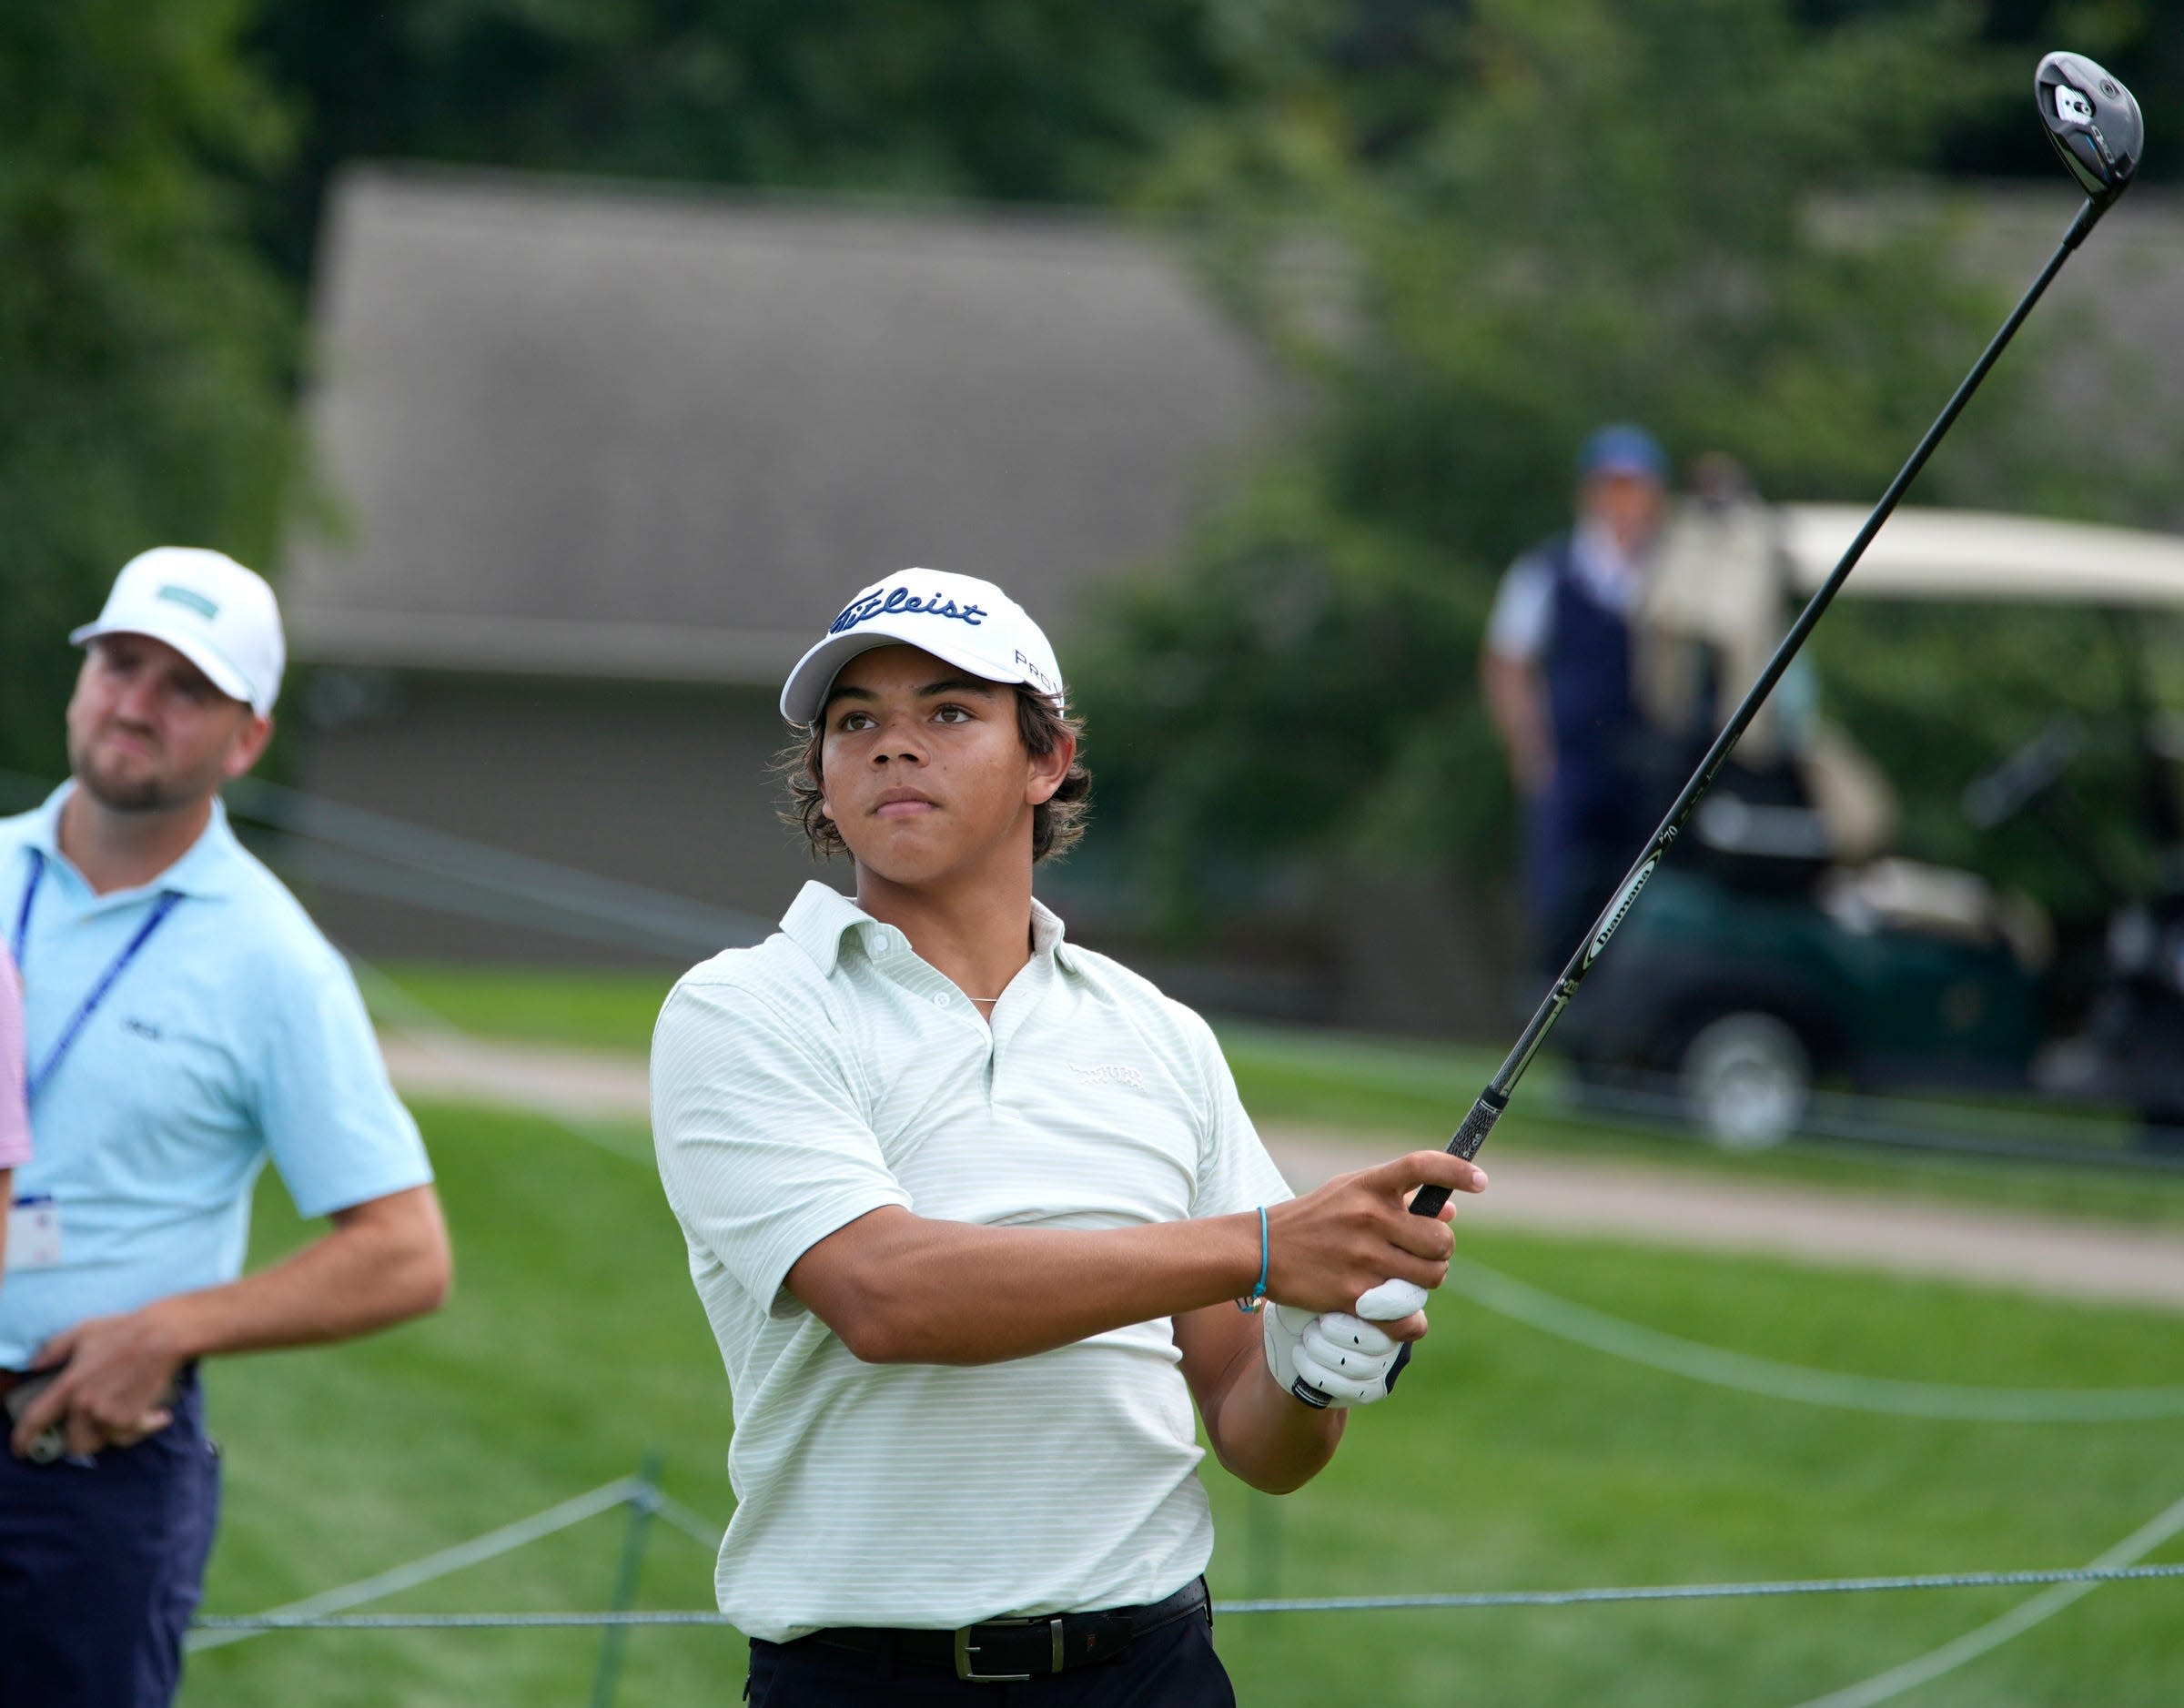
x: 2069, y: 1256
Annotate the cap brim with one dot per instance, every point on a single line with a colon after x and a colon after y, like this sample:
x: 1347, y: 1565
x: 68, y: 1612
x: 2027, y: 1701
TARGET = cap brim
x: 804, y: 695
x: 206, y: 657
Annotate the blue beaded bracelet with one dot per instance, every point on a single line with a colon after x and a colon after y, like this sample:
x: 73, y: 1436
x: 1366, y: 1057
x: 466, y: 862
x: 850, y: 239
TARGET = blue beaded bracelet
x: 1258, y: 1295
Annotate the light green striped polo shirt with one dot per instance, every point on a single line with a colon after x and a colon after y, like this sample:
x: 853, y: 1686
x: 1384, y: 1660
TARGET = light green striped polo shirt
x: 801, y: 1084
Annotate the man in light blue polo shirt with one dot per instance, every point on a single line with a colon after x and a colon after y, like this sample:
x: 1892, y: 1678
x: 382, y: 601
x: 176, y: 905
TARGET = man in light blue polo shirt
x: 185, y: 1021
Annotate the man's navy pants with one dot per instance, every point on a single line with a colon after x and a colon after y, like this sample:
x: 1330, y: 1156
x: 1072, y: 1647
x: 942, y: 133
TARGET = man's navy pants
x: 101, y: 1564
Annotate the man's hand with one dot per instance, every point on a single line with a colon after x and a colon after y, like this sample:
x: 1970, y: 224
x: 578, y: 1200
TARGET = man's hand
x: 1516, y: 704
x: 384, y: 1259
x: 1330, y: 1248
x: 116, y: 1375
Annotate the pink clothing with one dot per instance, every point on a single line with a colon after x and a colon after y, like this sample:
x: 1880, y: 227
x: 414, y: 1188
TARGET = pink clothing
x: 14, y: 1118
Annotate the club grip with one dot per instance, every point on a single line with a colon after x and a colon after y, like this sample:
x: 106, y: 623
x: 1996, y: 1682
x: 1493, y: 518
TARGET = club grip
x: 1473, y: 1134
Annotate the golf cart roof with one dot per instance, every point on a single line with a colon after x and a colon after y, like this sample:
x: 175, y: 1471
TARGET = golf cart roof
x: 1981, y: 555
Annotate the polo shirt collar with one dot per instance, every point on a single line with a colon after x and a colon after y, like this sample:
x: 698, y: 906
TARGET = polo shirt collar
x: 1046, y: 936
x: 820, y: 918
x: 208, y: 871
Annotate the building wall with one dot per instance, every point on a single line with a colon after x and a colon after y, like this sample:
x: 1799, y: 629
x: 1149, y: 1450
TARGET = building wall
x: 668, y: 788
x: 654, y: 785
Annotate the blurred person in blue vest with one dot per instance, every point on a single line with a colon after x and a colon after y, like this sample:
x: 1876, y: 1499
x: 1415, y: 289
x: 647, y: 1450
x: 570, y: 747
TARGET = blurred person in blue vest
x: 1561, y: 693
x: 185, y: 1021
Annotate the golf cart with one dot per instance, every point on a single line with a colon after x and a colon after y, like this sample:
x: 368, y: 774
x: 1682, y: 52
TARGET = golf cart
x: 1759, y: 961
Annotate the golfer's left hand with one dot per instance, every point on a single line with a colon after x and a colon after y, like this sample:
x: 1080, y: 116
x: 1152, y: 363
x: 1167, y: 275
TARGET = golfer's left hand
x: 1346, y: 1358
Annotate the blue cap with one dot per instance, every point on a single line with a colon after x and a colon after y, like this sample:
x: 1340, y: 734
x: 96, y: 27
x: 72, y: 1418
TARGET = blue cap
x: 1622, y: 448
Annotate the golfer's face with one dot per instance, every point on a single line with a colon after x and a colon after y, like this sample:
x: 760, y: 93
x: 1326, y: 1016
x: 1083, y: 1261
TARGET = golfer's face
x: 925, y: 771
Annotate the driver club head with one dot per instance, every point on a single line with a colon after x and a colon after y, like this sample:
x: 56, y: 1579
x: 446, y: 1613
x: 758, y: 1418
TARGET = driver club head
x: 2093, y: 123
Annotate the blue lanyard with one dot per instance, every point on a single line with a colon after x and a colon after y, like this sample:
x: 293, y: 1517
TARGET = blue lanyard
x: 89, y: 1006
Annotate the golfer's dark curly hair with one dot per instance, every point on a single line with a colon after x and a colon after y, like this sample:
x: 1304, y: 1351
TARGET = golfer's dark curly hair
x: 1055, y: 823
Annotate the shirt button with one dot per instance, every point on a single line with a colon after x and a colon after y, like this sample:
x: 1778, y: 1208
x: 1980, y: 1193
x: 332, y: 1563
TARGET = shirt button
x: 940, y: 999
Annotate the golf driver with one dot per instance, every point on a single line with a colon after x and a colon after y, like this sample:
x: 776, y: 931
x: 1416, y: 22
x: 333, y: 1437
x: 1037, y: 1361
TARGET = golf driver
x: 2094, y: 125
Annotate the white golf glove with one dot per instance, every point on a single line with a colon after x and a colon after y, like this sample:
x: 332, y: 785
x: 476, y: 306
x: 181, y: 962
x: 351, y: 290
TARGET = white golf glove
x: 1342, y: 1356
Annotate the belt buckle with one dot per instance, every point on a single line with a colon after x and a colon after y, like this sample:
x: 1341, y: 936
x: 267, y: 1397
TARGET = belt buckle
x: 965, y: 1649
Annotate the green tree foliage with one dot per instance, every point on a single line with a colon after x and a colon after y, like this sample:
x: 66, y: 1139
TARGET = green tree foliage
x: 145, y: 350
x: 1013, y: 99
x: 1550, y: 213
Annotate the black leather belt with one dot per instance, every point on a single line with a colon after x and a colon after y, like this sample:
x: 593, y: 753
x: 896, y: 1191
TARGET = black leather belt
x: 1008, y: 1651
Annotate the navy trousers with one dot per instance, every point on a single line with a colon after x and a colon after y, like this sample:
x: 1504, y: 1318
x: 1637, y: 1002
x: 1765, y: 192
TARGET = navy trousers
x: 1173, y: 1667
x: 101, y: 1565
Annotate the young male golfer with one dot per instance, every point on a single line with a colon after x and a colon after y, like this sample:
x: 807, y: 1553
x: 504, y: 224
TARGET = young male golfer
x: 970, y: 1209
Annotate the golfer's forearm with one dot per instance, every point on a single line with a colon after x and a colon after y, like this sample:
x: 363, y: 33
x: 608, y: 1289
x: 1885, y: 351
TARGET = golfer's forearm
x: 1267, y: 1437
x: 365, y: 1273
x: 904, y: 1289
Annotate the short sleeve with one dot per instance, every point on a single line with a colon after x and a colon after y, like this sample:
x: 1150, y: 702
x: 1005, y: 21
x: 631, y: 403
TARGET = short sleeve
x: 335, y: 1129
x: 764, y: 1150
x: 1523, y: 610
x: 15, y: 1110
x: 1235, y: 1173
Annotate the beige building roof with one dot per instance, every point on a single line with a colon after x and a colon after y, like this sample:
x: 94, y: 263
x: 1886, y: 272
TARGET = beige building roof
x: 578, y: 429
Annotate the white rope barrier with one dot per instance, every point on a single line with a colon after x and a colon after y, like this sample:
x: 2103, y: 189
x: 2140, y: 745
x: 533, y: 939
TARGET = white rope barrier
x: 701, y: 1530
x: 329, y: 1609
x: 1747, y: 1374
x: 213, y: 1634
x: 2078, y: 1580
x: 2118, y: 1562
x: 2088, y: 1576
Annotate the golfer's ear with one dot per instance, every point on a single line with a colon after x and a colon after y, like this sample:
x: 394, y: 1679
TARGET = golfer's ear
x: 1049, y: 769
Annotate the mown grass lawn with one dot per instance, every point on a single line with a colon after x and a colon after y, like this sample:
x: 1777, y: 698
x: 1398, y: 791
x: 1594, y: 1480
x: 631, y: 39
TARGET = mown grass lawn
x: 1508, y: 1459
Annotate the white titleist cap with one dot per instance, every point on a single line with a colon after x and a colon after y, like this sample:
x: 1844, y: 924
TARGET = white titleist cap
x: 218, y: 615
x: 971, y: 623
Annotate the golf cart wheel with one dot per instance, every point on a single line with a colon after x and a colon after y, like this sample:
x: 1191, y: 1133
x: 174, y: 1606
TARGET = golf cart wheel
x: 1747, y: 1079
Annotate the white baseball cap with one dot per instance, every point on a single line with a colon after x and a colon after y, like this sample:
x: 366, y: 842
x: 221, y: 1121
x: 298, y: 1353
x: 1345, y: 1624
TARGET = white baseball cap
x: 218, y: 615
x: 971, y: 623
